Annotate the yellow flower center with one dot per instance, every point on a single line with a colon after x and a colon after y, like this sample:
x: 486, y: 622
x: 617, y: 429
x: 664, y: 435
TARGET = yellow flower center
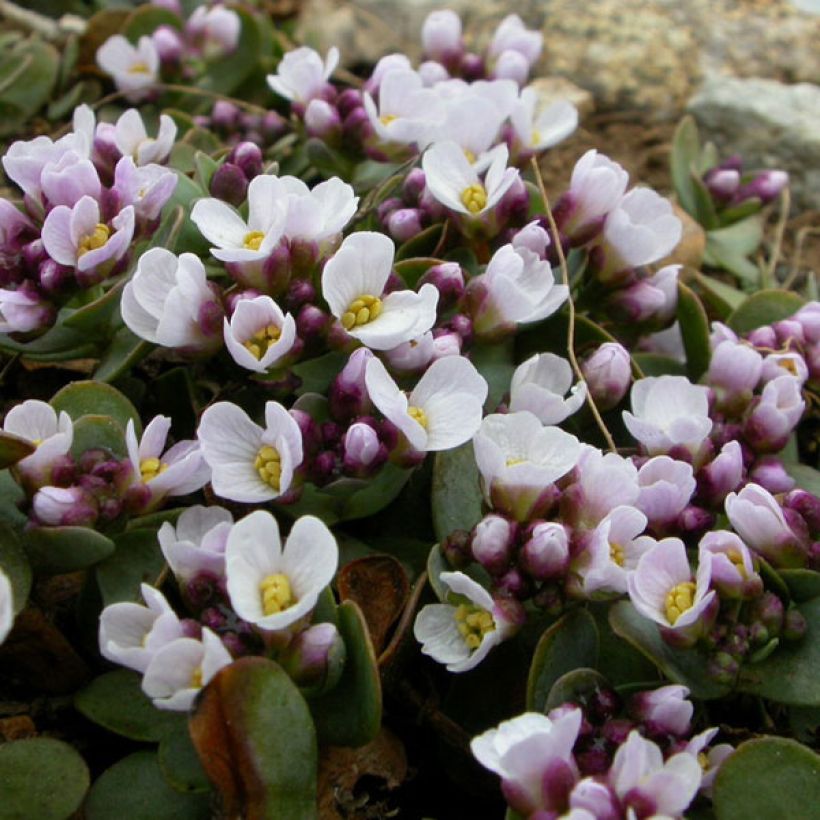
x: 196, y: 678
x: 361, y: 311
x: 276, y: 593
x: 418, y: 414
x: 470, y: 155
x: 259, y: 343
x: 737, y: 559
x: 513, y: 461
x: 96, y: 239
x: 474, y: 198
x: 536, y: 138
x: 269, y: 466
x: 36, y: 442
x: 253, y: 240
x: 704, y: 761
x: 151, y: 467
x: 616, y: 553
x: 386, y: 119
x: 473, y: 624
x: 678, y: 600
x: 139, y: 68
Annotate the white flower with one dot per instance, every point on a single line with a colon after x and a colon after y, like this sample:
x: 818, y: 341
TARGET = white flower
x: 442, y: 411
x: 53, y: 436
x: 596, y: 187
x: 540, y: 384
x: 461, y: 635
x: 216, y: 29
x: 148, y: 187
x: 538, y: 127
x: 169, y: 302
x: 473, y: 121
x: 441, y: 34
x: 519, y: 459
x: 130, y: 634
x: 454, y: 181
x: 513, y: 35
x: 259, y: 335
x: 271, y: 586
x: 6, y: 606
x: 237, y: 240
x: 177, y: 471
x: 407, y: 112
x: 132, y: 140
x: 249, y: 463
x: 667, y: 412
x: 666, y: 487
x: 181, y: 668
x: 197, y: 542
x: 603, y: 481
x: 353, y: 282
x: 318, y: 214
x: 134, y: 69
x: 301, y: 74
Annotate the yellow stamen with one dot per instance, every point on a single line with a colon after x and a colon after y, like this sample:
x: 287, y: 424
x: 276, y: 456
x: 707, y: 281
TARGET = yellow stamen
x: 36, y: 442
x: 419, y: 415
x: 139, y: 68
x: 361, y: 311
x: 259, y: 343
x: 616, y: 553
x: 386, y: 119
x: 471, y: 157
x: 253, y: 240
x: 704, y: 761
x: 474, y: 198
x: 196, y: 678
x: 276, y: 592
x: 512, y: 461
x: 790, y: 365
x: 96, y: 239
x: 150, y: 468
x: 679, y: 599
x: 473, y: 624
x: 536, y: 138
x: 269, y: 466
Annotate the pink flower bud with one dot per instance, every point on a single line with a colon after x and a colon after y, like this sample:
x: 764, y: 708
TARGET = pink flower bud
x: 546, y: 553
x: 404, y: 223
x: 322, y: 120
x: 348, y: 393
x: 722, y: 183
x: 315, y: 657
x: 511, y: 65
x: 770, y: 473
x: 608, y: 374
x: 665, y: 711
x: 248, y: 157
x: 168, y: 44
x: 363, y: 452
x: 61, y: 507
x: 448, y: 278
x: 492, y: 541
x: 229, y: 184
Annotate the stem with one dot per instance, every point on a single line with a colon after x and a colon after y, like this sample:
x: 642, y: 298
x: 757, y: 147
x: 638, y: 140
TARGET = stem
x: 785, y: 207
x: 562, y: 262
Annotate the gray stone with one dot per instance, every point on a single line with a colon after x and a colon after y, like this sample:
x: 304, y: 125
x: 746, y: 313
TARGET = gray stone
x: 770, y: 124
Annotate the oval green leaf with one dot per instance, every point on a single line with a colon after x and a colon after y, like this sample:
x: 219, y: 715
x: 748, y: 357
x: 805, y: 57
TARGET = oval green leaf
x: 55, y: 550
x: 763, y: 308
x: 13, y: 449
x: 92, y: 398
x: 137, y: 559
x: 456, y: 493
x: 15, y: 564
x: 694, y: 326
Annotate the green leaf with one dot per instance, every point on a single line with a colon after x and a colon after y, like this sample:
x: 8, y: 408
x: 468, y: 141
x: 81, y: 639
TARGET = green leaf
x: 15, y: 565
x: 728, y: 248
x: 694, y: 326
x: 13, y: 449
x: 685, y: 155
x: 137, y: 559
x: 656, y: 364
x: 411, y: 270
x: 56, y: 344
x: 98, y: 432
x: 807, y: 478
x: 253, y: 732
x: 575, y: 687
x: 180, y: 762
x: 424, y: 243
x: 684, y: 666
x: 95, y: 318
x: 568, y: 644
x: 145, y: 20
x: 95, y: 398
x: 495, y: 362
x: 803, y: 584
x: 764, y: 308
x: 789, y: 674
x: 228, y: 73
x: 55, y: 550
x: 42, y: 779
x: 134, y: 788
x: 768, y: 779
x: 722, y: 298
x: 10, y: 494
x: 116, y: 702
x: 456, y: 493
x: 350, y: 714
x: 437, y: 563
x: 126, y: 350
x: 317, y: 374
x: 28, y: 73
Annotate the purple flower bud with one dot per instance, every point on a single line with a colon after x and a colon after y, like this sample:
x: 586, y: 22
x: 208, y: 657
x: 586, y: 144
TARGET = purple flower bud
x: 763, y: 337
x: 768, y: 609
x: 513, y: 584
x: 405, y: 223
x: 441, y: 37
x: 770, y: 473
x: 794, y: 625
x: 64, y: 507
x: 722, y: 668
x: 205, y: 590
x: 472, y: 67
x: 533, y: 237
x: 694, y: 521
x: 608, y: 374
x: 363, y: 452
x: 463, y: 326
x: 357, y: 126
x: 324, y: 468
x: 809, y: 318
x: 349, y: 99
x: 53, y: 276
x: 273, y: 126
x: 492, y: 542
x: 456, y: 549
x: 735, y: 371
x: 722, y: 475
x: 638, y: 302
x: 322, y: 120
x: 413, y: 186
x: 511, y: 65
x: 312, y: 324
x: 229, y: 184
x: 807, y: 505
x: 168, y: 44
x: 248, y: 157
x: 448, y: 279
x: 546, y: 553
x: 514, y: 205
x: 774, y: 415
x: 665, y: 711
x: 766, y: 186
x: 722, y: 183
x: 348, y: 393
x: 386, y: 208
x: 315, y: 657
x: 224, y: 115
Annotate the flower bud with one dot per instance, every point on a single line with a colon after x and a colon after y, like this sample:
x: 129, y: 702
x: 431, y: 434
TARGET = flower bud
x: 322, y: 120
x: 441, y: 36
x: 763, y: 337
x: 546, y: 554
x: 722, y: 668
x: 64, y: 507
x: 456, y: 549
x: 314, y: 659
x: 770, y: 474
x: 722, y: 183
x: 734, y: 371
x: 229, y: 184
x: 794, y: 625
x: 404, y: 223
x: 774, y: 415
x: 665, y: 711
x: 448, y: 278
x: 348, y: 393
x: 248, y: 157
x: 768, y: 610
x: 511, y: 65
x: 168, y: 44
x: 224, y: 115
x: 363, y: 452
x: 492, y: 542
x: 413, y: 186
x: 472, y: 67
x: 608, y: 374
x: 514, y: 584
x: 807, y: 505
x: 766, y: 186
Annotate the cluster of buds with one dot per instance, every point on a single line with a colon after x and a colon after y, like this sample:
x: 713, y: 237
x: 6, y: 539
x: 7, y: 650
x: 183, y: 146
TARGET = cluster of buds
x: 603, y: 758
x: 730, y: 186
x: 246, y: 593
x: 173, y: 52
x: 89, y: 196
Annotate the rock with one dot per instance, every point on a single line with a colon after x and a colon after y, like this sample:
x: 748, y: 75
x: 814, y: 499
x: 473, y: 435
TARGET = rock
x: 772, y: 125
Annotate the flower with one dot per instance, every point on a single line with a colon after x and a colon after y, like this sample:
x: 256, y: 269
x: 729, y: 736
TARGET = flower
x: 130, y: 634
x: 64, y: 506
x: 775, y: 414
x: 249, y: 463
x: 461, y: 635
x: 134, y: 69
x: 318, y: 214
x: 661, y: 589
x: 710, y: 761
x: 539, y: 385
x: 442, y: 411
x: 353, y: 282
x: 6, y: 606
x: 441, y: 35
x: 665, y: 710
x: 666, y: 485
x: 132, y: 140
x: 177, y: 471
x: 735, y: 368
x: 271, y: 586
x: 52, y: 434
x: 518, y: 459
x: 23, y: 310
x: 454, y: 181
x: 532, y: 754
x: 215, y: 30
x: 363, y: 452
x: 733, y: 566
x: 258, y: 335
x: 608, y: 374
x: 667, y: 412
x: 76, y: 237
x: 513, y: 35
x: 302, y: 75
x: 181, y: 668
x: 538, y: 127
x: 69, y: 178
x: 722, y: 474
x: 168, y: 301
x: 197, y: 542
